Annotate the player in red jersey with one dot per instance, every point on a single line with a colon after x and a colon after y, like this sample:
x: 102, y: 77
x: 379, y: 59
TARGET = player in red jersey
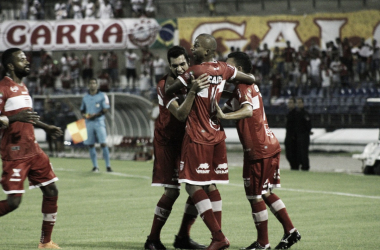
x: 204, y: 157
x: 261, y: 171
x: 168, y: 136
x: 20, y: 153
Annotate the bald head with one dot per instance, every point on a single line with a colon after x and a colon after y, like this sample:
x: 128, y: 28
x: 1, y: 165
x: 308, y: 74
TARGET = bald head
x: 207, y: 41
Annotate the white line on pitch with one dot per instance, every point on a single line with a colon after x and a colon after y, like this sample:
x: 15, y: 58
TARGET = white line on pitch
x: 241, y: 185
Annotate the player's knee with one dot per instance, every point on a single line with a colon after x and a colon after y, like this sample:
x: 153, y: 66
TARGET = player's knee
x: 14, y: 201
x: 50, y: 190
x: 172, y: 193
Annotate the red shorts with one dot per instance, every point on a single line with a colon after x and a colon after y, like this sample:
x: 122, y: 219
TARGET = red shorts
x: 260, y: 176
x: 203, y: 164
x: 166, y: 163
x: 37, y: 168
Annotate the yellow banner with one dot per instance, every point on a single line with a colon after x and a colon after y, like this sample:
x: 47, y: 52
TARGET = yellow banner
x: 254, y: 31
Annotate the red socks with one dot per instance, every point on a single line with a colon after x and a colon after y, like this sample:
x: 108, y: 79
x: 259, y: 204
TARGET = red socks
x: 260, y: 217
x: 188, y: 219
x: 204, y: 207
x: 161, y: 214
x: 49, y: 212
x: 278, y: 209
x: 216, y: 202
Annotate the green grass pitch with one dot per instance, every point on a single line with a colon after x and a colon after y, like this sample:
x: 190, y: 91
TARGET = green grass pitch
x: 115, y: 210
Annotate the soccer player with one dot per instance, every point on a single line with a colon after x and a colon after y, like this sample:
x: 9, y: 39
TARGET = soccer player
x: 21, y: 155
x: 203, y: 158
x: 261, y: 171
x: 94, y: 105
x: 168, y: 135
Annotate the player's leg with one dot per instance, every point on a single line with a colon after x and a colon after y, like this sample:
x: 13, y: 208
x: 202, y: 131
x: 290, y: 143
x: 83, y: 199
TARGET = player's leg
x: 11, y: 203
x: 216, y: 202
x: 101, y: 134
x: 277, y: 206
x: 90, y: 142
x: 41, y: 175
x: 182, y: 239
x: 253, y: 185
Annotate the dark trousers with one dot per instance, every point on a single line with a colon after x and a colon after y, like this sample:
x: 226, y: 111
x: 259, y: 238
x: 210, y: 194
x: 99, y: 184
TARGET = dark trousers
x: 303, y: 142
x: 291, y: 151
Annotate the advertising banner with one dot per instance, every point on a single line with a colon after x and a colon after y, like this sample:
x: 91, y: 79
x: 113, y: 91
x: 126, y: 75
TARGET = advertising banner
x: 99, y: 34
x: 243, y: 31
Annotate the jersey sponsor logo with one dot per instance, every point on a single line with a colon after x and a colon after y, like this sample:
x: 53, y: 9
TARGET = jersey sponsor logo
x: 15, y: 148
x: 222, y: 169
x: 217, y: 68
x: 24, y: 92
x: 14, y: 89
x: 247, y: 182
x: 181, y: 165
x: 215, y: 79
x: 16, y: 172
x: 203, y: 168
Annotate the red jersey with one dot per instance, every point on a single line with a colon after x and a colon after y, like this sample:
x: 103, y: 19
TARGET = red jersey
x: 254, y: 133
x: 18, y: 139
x: 202, y: 125
x: 167, y: 130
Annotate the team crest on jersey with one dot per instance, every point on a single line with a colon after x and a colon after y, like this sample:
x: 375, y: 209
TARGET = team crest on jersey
x: 14, y: 89
x: 215, y: 79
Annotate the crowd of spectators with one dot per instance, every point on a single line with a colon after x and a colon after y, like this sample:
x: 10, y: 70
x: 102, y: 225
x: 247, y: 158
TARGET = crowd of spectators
x: 86, y: 9
x: 339, y: 65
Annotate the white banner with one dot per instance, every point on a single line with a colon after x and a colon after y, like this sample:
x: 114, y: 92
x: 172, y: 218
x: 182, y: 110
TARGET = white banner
x: 96, y: 34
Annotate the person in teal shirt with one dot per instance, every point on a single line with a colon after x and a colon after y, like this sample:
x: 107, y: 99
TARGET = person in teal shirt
x: 93, y: 108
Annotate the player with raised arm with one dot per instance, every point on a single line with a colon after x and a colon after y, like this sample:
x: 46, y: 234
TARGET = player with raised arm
x: 168, y: 136
x: 204, y: 157
x: 21, y: 155
x: 261, y: 171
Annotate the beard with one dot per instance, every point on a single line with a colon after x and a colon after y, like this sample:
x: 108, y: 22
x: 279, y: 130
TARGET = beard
x: 22, y: 73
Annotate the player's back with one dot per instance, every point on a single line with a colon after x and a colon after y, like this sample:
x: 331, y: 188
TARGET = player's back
x: 202, y: 124
x: 254, y: 133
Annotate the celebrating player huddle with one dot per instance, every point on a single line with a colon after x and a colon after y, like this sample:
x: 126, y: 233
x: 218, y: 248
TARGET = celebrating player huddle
x: 189, y: 147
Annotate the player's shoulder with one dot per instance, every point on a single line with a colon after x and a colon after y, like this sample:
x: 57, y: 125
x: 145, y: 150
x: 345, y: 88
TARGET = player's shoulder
x: 253, y: 89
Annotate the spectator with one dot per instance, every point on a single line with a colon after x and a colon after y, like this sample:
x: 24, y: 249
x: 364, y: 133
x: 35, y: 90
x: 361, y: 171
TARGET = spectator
x: 105, y: 10
x: 103, y: 59
x: 137, y: 7
x: 34, y: 10
x: 130, y: 64
x: 293, y: 79
x: 326, y: 80
x: 145, y: 83
x: 289, y: 58
x: 113, y: 68
x: 315, y: 70
x: 61, y: 115
x: 303, y: 62
x: 66, y: 82
x: 87, y: 67
x: 90, y: 10
x: 265, y: 58
x: 65, y: 67
x: 290, y: 137
x: 150, y: 9
x: 74, y: 69
x: 77, y: 10
x: 276, y: 83
x: 47, y: 79
x: 347, y: 59
x: 159, y: 67
x: 364, y: 54
x: 375, y: 61
x: 278, y: 61
x: 104, y: 81
x: 118, y: 12
x: 33, y: 82
x: 24, y: 10
x: 211, y: 7
x: 60, y: 11
x: 146, y: 60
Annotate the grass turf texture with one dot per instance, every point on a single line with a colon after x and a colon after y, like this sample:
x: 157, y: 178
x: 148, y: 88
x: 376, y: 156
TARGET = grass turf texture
x: 115, y: 210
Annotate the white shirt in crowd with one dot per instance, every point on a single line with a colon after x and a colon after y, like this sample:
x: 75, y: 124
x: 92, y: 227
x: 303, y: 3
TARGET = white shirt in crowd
x: 315, y: 64
x: 159, y: 66
x: 131, y: 59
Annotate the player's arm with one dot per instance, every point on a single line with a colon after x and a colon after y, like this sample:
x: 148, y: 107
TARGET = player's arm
x: 181, y: 112
x: 244, y: 112
x: 226, y: 94
x: 25, y: 115
x: 171, y: 88
x: 50, y: 129
x: 245, y: 78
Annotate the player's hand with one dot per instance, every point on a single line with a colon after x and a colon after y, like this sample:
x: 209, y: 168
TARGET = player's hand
x: 26, y: 116
x: 219, y: 112
x: 200, y: 83
x: 54, y: 131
